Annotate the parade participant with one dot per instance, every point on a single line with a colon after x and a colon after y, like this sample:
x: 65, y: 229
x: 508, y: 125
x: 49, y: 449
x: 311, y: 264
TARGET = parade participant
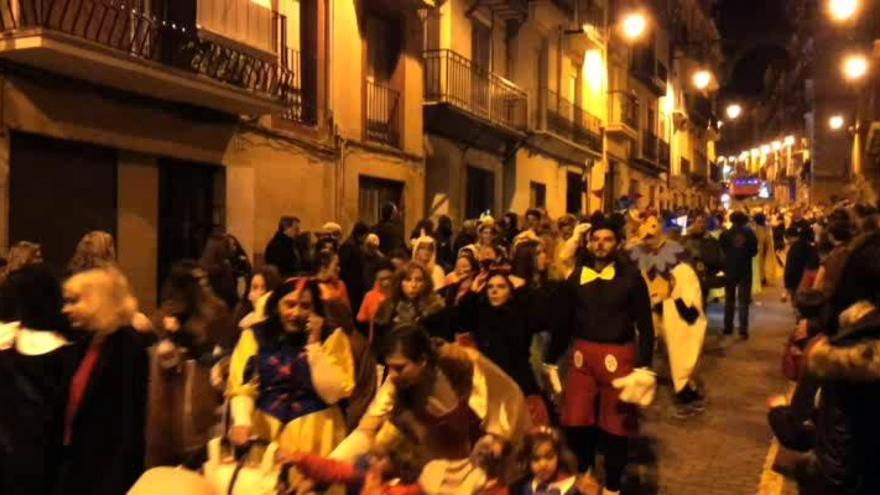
x: 498, y: 319
x: 465, y: 237
x: 351, y: 264
x: 282, y: 250
x: 333, y: 289
x: 425, y: 252
x: 390, y: 228
x: 37, y: 360
x: 550, y: 465
x: 241, y: 265
x: 458, y: 282
x: 739, y: 245
x: 706, y: 255
x: 288, y: 374
x: 96, y: 249
x: 106, y: 407
x: 441, y: 397
x: 381, y: 291
x: 215, y: 262
x: 250, y: 310
x: 605, y: 308
x: 487, y: 235
x: 412, y: 300
x: 677, y: 301
x: 445, y: 252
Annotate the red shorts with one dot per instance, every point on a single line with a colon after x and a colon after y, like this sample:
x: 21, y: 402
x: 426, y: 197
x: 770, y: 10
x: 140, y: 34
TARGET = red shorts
x: 592, y: 368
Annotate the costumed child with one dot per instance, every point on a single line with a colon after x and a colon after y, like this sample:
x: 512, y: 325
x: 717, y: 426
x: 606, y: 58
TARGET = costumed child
x: 550, y: 464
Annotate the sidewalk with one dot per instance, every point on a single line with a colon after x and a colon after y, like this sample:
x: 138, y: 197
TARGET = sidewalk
x: 724, y: 450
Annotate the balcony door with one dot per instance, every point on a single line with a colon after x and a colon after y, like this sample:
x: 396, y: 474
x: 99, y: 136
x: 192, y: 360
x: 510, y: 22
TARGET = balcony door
x: 574, y: 192
x: 384, y: 77
x: 480, y: 196
x: 481, y: 58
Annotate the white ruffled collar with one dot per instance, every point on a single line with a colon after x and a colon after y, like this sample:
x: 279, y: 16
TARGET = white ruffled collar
x: 29, y: 342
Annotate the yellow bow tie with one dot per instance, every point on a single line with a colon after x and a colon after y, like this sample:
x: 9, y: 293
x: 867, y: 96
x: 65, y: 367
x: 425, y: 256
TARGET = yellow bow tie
x: 589, y: 275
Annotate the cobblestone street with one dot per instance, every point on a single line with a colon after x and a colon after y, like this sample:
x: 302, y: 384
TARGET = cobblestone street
x: 725, y: 450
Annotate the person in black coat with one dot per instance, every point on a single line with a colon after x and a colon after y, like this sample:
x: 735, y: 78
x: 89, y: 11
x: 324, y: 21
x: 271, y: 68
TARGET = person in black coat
x: 37, y: 360
x: 802, y: 257
x: 351, y: 265
x: 390, y: 229
x: 106, y: 407
x: 282, y: 250
x: 739, y: 245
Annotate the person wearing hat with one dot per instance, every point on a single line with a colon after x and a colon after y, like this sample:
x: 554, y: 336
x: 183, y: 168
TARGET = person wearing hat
x: 605, y: 316
x: 677, y: 302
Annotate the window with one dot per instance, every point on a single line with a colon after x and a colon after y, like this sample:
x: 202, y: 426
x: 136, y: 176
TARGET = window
x: 538, y: 195
x: 574, y: 193
x: 383, y: 47
x: 373, y: 193
x: 480, y: 196
x: 481, y: 46
x: 652, y: 192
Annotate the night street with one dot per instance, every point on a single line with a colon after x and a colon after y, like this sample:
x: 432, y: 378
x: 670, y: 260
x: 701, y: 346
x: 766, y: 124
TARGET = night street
x: 725, y: 450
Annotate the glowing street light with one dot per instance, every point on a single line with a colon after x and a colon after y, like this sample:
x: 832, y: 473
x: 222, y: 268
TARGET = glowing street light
x: 776, y: 145
x: 734, y: 110
x: 702, y: 78
x: 855, y: 67
x: 789, y: 141
x: 634, y: 25
x: 765, y: 149
x: 842, y: 10
x: 835, y: 122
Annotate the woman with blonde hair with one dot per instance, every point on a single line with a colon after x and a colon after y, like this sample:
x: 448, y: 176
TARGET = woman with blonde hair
x: 96, y: 249
x: 106, y: 406
x: 21, y: 254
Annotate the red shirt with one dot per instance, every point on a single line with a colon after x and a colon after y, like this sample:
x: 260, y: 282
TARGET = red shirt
x: 78, y: 388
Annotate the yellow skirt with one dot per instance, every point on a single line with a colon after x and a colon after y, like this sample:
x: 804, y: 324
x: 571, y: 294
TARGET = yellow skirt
x: 316, y: 433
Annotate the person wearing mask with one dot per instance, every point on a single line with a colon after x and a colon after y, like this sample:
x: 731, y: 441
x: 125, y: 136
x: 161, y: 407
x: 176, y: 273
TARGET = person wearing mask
x: 37, y: 362
x: 282, y: 250
x: 289, y: 373
x: 390, y: 228
x: 105, y: 414
x: 351, y: 264
x: 605, y: 312
x: 739, y: 245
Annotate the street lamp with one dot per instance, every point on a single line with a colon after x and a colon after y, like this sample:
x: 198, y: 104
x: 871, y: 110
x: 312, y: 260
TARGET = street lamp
x: 734, y: 110
x: 842, y: 10
x: 702, y: 78
x: 634, y: 25
x: 789, y: 140
x: 855, y: 67
x: 777, y: 145
x: 835, y: 122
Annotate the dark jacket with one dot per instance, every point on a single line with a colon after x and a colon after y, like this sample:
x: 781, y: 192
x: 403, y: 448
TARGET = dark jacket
x: 802, y: 256
x: 351, y: 271
x: 106, y: 451
x: 707, y: 256
x: 390, y: 234
x: 739, y: 245
x: 283, y: 253
x: 34, y: 393
x: 847, y: 424
x: 503, y: 334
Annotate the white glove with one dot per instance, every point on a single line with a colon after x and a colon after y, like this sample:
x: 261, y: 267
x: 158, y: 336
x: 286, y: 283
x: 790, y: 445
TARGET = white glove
x: 551, y: 371
x: 637, y: 387
x: 581, y: 229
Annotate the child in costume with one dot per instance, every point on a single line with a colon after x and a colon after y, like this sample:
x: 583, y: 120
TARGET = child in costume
x: 551, y: 466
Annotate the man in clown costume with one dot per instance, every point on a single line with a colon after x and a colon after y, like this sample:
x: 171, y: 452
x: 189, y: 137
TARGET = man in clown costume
x: 677, y: 303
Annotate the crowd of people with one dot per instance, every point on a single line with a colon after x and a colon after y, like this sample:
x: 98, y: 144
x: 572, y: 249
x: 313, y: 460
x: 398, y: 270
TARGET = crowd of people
x: 497, y: 360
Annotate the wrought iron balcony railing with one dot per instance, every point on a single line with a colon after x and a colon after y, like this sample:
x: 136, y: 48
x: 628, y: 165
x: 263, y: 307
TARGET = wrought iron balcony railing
x: 132, y: 32
x: 453, y: 79
x: 382, y: 114
x: 624, y: 108
x: 571, y: 122
x: 301, y: 95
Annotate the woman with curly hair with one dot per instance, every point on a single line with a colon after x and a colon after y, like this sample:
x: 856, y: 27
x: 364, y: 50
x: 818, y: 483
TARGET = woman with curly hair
x: 412, y: 301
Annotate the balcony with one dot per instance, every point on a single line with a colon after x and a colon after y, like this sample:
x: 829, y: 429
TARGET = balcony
x: 221, y: 65
x: 566, y: 130
x: 466, y: 102
x: 664, y: 157
x: 382, y: 114
x: 301, y: 97
x: 650, y: 71
x: 588, y: 25
x: 699, y: 110
x: 648, y: 159
x: 623, y: 114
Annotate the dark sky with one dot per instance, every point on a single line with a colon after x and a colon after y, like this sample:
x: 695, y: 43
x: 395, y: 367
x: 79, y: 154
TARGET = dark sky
x: 742, y: 22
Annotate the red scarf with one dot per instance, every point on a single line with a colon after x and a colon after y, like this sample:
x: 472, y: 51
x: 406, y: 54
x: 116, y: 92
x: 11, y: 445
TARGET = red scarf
x: 78, y: 389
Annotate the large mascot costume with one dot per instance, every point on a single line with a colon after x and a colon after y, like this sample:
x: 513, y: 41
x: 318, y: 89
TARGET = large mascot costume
x: 676, y: 297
